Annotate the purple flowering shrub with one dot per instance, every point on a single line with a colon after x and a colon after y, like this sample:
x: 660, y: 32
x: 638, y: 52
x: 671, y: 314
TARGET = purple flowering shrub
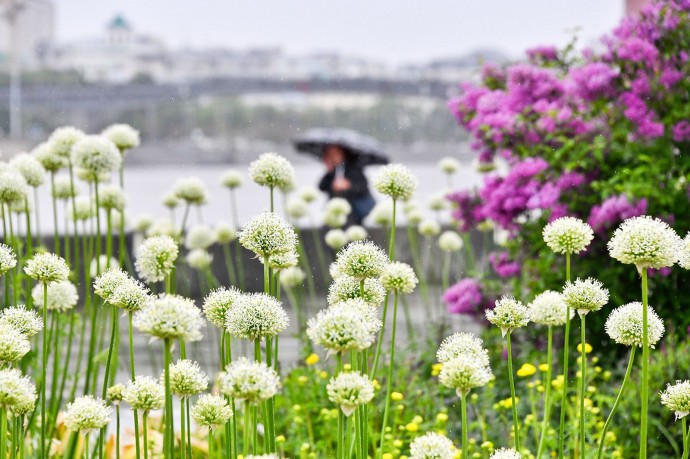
x: 602, y: 136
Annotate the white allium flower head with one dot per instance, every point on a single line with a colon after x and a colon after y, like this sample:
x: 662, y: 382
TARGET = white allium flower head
x: 83, y: 208
x: 211, y: 411
x: 432, y: 445
x: 281, y: 261
x: 21, y: 207
x: 676, y: 398
x: 62, y: 295
x: 438, y: 202
x: 105, y: 284
x: 462, y: 344
x: 334, y: 220
x: 186, y: 378
x: 334, y: 271
x: 505, y: 453
x: 111, y: 197
x: 13, y: 345
x: 87, y: 413
x: 191, y: 190
x: 143, y: 222
x: 124, y: 136
x: 50, y: 161
x: 13, y: 187
x: 155, y: 258
x: 346, y: 287
x: 267, y: 234
x: 170, y: 317
x: 8, y: 259
x: 96, y: 156
x: 340, y: 328
x: 256, y: 315
x: 131, y: 295
x: 144, y: 394
x: 549, y: 308
x: 218, y: 302
x: 399, y: 277
x: 199, y: 237
x: 396, y: 181
x: 47, y: 267
x: 62, y: 188
x: 89, y: 177
x: 297, y: 207
x: 225, y: 233
x: 170, y: 200
x: 249, y: 381
x: 450, y: 241
x: 101, y: 264
x: 232, y: 179
x: 356, y: 233
x: 645, y: 242
x: 271, y: 170
x: 17, y: 392
x: 508, y: 314
x: 568, y: 235
x: 27, y: 321
x: 449, y: 165
x: 292, y: 277
x: 624, y: 325
x: 414, y: 217
x: 361, y: 260
x: 308, y: 194
x: 464, y: 373
x: 684, y: 252
x: 115, y: 393
x: 585, y: 295
x: 163, y: 227
x: 199, y: 259
x: 336, y: 239
x: 63, y: 139
x: 339, y: 206
x: 429, y: 228
x: 30, y: 168
x: 382, y: 213
x: 350, y: 389
x: 364, y: 311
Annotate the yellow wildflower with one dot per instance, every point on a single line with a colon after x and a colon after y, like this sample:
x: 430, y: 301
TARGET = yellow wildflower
x: 527, y: 369
x: 588, y: 348
x: 280, y: 439
x: 412, y: 427
x: 544, y: 367
x: 323, y: 375
x: 313, y: 359
x: 396, y: 396
x: 302, y: 380
x: 436, y: 369
x: 442, y: 417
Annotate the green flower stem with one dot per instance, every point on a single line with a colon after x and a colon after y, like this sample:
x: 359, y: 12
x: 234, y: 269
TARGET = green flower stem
x: 240, y: 265
x: 389, y: 378
x: 146, y: 435
x: 183, y: 430
x: 133, y: 376
x: 340, y: 445
x: 377, y: 354
x: 644, y: 389
x: 56, y: 239
x: 583, y: 383
x: 37, y: 213
x: 463, y: 408
x: 270, y: 191
x: 21, y: 437
x: 210, y: 444
x: 189, y: 429
x: 470, y: 257
x: 15, y: 244
x: 547, y: 392
x: 117, y: 431
x: 67, y: 242
x: 169, y: 423
x: 230, y: 266
x: 270, y: 437
x: 304, y: 260
x: 44, y: 364
x: 98, y: 228
x: 445, y: 277
x: 417, y: 262
x: 245, y: 441
x: 516, y: 422
x: 3, y: 432
x: 29, y: 237
x: 391, y: 246
x: 86, y: 446
x: 686, y: 441
x: 183, y: 224
x: 566, y: 357
x: 316, y: 237
x: 619, y: 397
x: 111, y: 347
x: 92, y: 348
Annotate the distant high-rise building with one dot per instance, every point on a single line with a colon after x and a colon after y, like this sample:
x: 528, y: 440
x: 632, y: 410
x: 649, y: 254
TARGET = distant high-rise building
x: 34, y: 31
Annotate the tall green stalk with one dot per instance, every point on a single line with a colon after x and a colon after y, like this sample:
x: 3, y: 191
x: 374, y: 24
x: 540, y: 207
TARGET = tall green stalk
x: 56, y: 239
x: 583, y: 382
x: 644, y: 390
x: 566, y: 358
x: 516, y: 422
x: 389, y: 378
x: 44, y: 364
x: 145, y: 417
x: 169, y: 433
x: 3, y: 432
x: 547, y: 393
x: 463, y: 408
x: 133, y: 376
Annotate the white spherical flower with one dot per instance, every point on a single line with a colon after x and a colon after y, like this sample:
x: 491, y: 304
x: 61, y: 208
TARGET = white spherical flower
x: 124, y: 136
x: 87, y: 413
x: 508, y: 314
x: 170, y: 200
x: 438, y: 202
x: 225, y: 233
x: 549, y: 308
x: 63, y: 139
x: 339, y: 206
x: 334, y: 271
x: 199, y: 259
x: 96, y: 156
x: 400, y: 277
x: 432, y: 445
x: 464, y: 373
x: 231, y: 179
x: 163, y: 227
x: 297, y: 208
x: 51, y: 161
x: 187, y: 378
x: 199, y: 237
x: 82, y: 208
x: 170, y: 317
x: 218, y: 302
x: 108, y: 281
x: 13, y: 187
x: 462, y: 344
x: 249, y: 381
x: 281, y: 261
x: 131, y: 295
x: 365, y: 311
x: 308, y: 194
x: 271, y: 170
x: 334, y: 220
x: 16, y: 390
x: 292, y: 277
x: 111, y: 197
x: 396, y: 181
x: 62, y: 295
x: 143, y: 222
x: 356, y: 233
x: 340, y: 329
x: 47, y: 267
x: 361, y: 260
x: 267, y: 234
x: 429, y: 228
x: 155, y: 258
x: 336, y: 239
x: 568, y: 235
x: 645, y: 242
x: 624, y: 325
x: 449, y: 165
x: 256, y: 315
x: 27, y: 321
x: 13, y: 345
x: 585, y: 295
x: 8, y: 259
x: 450, y: 241
x: 684, y: 252
x: 211, y: 411
x: 382, y: 213
x: 191, y: 190
x: 349, y: 390
x: 30, y: 168
x: 87, y: 176
x: 144, y: 394
x: 414, y: 217
x: 676, y: 398
x: 505, y: 453
x: 115, y: 393
x: 346, y: 287
x: 62, y: 188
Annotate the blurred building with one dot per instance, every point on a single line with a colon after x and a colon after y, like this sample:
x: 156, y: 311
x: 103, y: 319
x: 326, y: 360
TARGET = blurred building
x: 34, y: 29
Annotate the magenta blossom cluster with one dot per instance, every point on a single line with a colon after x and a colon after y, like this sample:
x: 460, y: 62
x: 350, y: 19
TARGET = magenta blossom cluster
x: 614, y: 210
x: 503, y: 266
x: 464, y: 297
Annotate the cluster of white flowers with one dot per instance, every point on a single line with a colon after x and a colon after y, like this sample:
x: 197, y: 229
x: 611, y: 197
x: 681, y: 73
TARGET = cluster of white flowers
x: 267, y: 234
x: 356, y: 233
x: 399, y: 277
x: 155, y: 258
x: 211, y: 411
x: 63, y: 139
x: 586, y: 295
x: 82, y: 208
x: 568, y: 235
x: 27, y: 321
x: 17, y: 392
x: 256, y: 315
x: 191, y: 190
x: 144, y: 394
x: 95, y: 157
x: 345, y: 288
x: 281, y: 261
x: 112, y: 197
x: 13, y: 345
x: 187, y: 378
x: 343, y: 327
x: 464, y: 373
x: 508, y: 314
x: 46, y: 155
x: 47, y: 267
x: 63, y: 189
x: 87, y: 413
x: 218, y: 303
x: 115, y: 393
x: 624, y: 325
x: 30, y: 168
x: 199, y: 259
x: 124, y: 136
x: 432, y: 445
x: 13, y: 187
x: 438, y: 202
x: 225, y: 233
x: 336, y: 239
x: 450, y: 241
x: 249, y: 381
x: 350, y: 389
x: 292, y: 277
x: 272, y: 170
x: 505, y: 453
x: 462, y: 344
x: 8, y: 259
x: 429, y: 228
x: 382, y: 213
x: 62, y: 295
x: 449, y: 165
x: 645, y: 242
x: 684, y: 252
x: 231, y: 179
x: 170, y: 317
x: 131, y: 295
x: 361, y: 260
x: 199, y: 237
x: 297, y: 207
x: 676, y: 398
x: 396, y: 181
x: 549, y: 308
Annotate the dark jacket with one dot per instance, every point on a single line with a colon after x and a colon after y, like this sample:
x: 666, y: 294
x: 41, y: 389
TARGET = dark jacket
x: 358, y: 195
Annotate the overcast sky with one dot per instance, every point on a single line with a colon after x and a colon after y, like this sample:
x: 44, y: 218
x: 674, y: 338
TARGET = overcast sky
x: 392, y: 30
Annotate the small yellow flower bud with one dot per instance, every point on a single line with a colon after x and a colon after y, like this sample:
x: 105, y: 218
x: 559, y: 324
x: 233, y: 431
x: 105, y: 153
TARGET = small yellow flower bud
x: 412, y: 427
x: 313, y: 359
x: 396, y: 396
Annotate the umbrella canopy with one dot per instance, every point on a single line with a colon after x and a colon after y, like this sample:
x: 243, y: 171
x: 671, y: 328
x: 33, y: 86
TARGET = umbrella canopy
x: 365, y: 149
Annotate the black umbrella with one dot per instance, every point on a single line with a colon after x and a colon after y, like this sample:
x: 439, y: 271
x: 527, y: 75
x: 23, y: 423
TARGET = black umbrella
x: 365, y: 149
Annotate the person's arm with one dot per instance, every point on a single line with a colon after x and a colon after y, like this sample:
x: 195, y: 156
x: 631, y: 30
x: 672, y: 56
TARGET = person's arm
x: 358, y: 182
x: 326, y: 182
